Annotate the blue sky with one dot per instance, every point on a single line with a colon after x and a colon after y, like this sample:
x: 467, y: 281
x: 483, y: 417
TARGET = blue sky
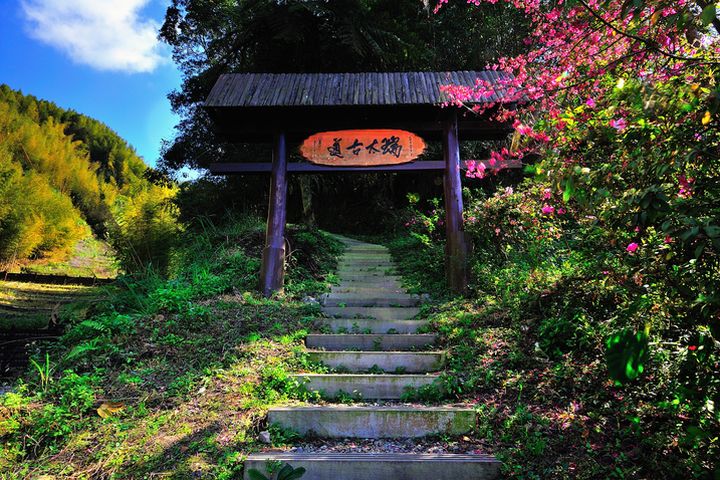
x: 98, y: 57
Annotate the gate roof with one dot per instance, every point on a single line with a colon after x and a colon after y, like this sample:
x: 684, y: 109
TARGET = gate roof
x: 341, y: 89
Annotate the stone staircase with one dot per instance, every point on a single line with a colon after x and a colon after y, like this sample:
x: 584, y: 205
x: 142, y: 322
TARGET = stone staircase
x: 371, y: 319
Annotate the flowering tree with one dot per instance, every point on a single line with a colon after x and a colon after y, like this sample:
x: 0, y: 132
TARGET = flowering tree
x: 620, y: 99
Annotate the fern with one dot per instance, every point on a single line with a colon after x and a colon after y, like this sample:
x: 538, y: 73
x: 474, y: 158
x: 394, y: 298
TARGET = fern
x: 83, y: 348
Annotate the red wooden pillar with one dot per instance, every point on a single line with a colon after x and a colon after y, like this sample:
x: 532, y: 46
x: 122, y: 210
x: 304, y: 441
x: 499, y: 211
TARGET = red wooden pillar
x: 273, y: 259
x: 456, y: 251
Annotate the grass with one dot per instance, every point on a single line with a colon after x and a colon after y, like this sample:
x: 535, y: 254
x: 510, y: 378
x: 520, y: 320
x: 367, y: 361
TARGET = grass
x: 35, y: 305
x: 89, y: 257
x: 529, y: 350
x: 170, y: 377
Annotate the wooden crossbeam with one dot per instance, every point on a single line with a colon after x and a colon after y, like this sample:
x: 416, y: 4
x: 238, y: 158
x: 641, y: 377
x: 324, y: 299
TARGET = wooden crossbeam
x: 302, y: 167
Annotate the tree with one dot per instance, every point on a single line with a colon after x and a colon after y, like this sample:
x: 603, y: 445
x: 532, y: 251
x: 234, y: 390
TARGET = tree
x: 621, y: 100
x: 209, y: 38
x: 62, y: 172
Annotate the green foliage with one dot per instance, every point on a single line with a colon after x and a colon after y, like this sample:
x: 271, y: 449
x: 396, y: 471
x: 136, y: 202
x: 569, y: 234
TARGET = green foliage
x: 145, y: 228
x: 419, y: 254
x: 318, y: 36
x: 282, y: 436
x: 44, y: 372
x: 287, y: 472
x: 172, y: 358
x: 63, y: 174
x: 627, y: 353
x: 571, y: 338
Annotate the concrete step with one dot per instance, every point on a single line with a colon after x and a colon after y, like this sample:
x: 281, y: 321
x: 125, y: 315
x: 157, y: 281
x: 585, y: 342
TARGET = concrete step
x: 362, y: 300
x: 390, y: 362
x: 361, y: 325
x: 348, y: 421
x: 366, y: 251
x: 381, y: 466
x: 382, y: 256
x: 379, y: 313
x: 369, y: 342
x: 380, y: 386
x: 373, y: 272
x: 350, y: 266
x: 374, y: 276
x: 364, y: 263
x: 370, y: 289
x: 374, y: 283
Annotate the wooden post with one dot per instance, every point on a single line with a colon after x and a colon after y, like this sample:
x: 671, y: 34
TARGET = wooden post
x: 273, y: 258
x: 456, y: 247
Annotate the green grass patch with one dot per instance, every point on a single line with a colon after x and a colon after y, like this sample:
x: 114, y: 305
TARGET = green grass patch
x: 170, y: 376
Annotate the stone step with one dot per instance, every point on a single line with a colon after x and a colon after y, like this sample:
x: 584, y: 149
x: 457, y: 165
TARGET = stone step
x: 391, y: 362
x: 369, y: 290
x: 385, y: 257
x: 381, y: 294
x: 348, y: 421
x: 374, y: 277
x: 386, y: 285
x: 379, y: 313
x: 365, y: 251
x: 360, y: 300
x: 363, y: 325
x: 385, y: 270
x: 381, y: 466
x: 380, y: 386
x: 357, y: 262
x: 368, y: 272
x: 369, y: 342
x: 350, y: 267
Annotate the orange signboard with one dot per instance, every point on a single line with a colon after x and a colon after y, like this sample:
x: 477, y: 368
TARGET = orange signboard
x: 360, y: 148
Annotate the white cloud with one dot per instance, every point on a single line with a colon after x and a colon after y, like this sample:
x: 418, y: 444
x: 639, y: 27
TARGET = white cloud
x: 104, y: 34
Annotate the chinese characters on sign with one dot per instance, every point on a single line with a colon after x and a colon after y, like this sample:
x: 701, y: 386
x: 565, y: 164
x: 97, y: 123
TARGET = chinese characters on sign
x: 362, y: 147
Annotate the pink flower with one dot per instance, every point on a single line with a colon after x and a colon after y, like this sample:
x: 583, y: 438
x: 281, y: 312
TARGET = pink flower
x: 548, y: 210
x: 668, y: 239
x: 590, y: 102
x: 686, y: 186
x: 547, y: 194
x: 619, y: 125
x: 632, y: 248
x: 561, y: 211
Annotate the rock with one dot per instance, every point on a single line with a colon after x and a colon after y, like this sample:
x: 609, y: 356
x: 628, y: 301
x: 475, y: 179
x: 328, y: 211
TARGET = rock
x: 265, y: 436
x: 311, y: 300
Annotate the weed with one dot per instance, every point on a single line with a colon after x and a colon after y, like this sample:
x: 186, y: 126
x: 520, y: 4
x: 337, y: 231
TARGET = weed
x: 287, y: 472
x: 44, y: 372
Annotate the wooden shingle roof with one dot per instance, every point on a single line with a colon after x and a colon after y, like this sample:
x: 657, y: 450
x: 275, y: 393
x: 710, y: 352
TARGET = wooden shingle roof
x: 340, y: 89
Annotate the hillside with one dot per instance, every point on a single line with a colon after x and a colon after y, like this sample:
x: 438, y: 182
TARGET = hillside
x: 65, y: 177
